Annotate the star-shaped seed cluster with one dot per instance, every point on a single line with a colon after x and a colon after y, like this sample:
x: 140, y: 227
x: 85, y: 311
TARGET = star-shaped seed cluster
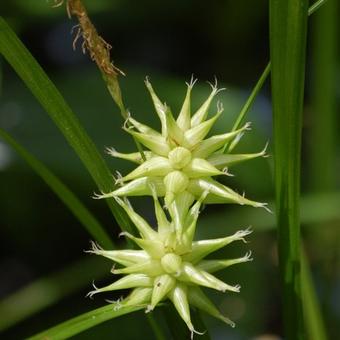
x: 170, y: 265
x: 180, y: 160
x: 178, y: 166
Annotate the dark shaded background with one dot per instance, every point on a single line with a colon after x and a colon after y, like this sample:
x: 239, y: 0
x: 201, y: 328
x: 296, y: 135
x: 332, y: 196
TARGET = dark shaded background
x: 168, y: 41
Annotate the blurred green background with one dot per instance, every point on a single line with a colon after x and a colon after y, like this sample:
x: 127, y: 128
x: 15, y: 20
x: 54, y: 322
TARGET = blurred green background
x: 168, y: 41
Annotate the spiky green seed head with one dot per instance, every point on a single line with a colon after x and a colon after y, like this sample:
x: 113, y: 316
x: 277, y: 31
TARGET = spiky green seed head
x: 181, y: 160
x: 170, y: 265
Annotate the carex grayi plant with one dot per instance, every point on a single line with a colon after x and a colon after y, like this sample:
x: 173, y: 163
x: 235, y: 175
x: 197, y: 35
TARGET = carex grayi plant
x: 179, y: 166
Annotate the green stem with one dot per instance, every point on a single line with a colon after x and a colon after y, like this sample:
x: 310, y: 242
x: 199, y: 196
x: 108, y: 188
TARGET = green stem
x: 248, y: 104
x: 323, y: 133
x: 288, y: 33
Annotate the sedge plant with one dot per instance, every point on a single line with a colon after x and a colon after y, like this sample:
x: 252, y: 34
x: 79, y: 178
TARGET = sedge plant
x: 178, y: 164
x: 178, y: 167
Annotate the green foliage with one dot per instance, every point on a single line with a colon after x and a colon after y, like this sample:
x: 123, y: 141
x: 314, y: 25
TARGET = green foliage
x: 288, y: 32
x: 324, y: 98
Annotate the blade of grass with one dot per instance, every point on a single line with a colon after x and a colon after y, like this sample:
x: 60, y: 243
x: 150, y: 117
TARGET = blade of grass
x: 52, y: 101
x: 85, y: 217
x: 288, y: 32
x: 323, y: 133
x: 323, y: 138
x: 48, y: 290
x: 83, y: 322
x: 248, y: 104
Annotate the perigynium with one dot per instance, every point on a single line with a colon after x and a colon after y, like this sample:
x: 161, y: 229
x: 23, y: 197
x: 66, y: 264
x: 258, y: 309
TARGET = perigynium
x: 170, y: 264
x: 180, y: 162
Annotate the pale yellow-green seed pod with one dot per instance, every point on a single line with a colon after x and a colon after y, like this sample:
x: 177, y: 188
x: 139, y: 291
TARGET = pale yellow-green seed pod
x: 179, y: 157
x: 171, y: 263
x: 162, y: 286
x: 176, y: 182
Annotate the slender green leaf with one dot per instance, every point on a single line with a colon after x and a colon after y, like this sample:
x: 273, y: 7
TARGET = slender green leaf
x: 71, y: 201
x: 323, y: 137
x: 288, y: 32
x: 83, y: 322
x: 48, y: 290
x: 52, y: 101
x: 248, y: 104
x: 323, y: 148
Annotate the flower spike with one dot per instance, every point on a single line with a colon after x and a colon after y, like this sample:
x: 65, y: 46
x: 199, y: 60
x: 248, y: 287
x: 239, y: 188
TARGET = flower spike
x: 180, y: 156
x: 180, y: 166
